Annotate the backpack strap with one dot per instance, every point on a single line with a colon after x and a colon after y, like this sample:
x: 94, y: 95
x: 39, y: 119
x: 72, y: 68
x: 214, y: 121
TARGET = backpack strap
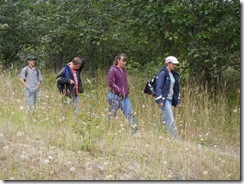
x: 27, y: 68
x: 66, y: 71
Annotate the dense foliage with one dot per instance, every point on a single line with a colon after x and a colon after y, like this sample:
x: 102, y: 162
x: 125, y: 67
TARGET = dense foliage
x: 203, y: 34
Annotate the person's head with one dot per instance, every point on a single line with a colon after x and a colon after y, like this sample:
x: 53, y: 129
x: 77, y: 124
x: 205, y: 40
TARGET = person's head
x: 76, y: 62
x: 31, y: 60
x: 120, y: 60
x: 171, y: 62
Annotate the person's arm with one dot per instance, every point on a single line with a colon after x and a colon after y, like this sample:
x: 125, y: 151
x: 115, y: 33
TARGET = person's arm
x: 111, y: 82
x: 23, y: 82
x: 39, y: 78
x: 159, y: 89
x: 22, y: 76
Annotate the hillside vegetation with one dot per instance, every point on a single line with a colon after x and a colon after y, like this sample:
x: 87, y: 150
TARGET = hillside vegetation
x: 52, y: 143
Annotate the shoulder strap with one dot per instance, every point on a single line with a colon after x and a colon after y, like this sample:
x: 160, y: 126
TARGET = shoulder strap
x: 27, y: 68
x: 26, y: 71
x: 66, y: 71
x: 37, y: 72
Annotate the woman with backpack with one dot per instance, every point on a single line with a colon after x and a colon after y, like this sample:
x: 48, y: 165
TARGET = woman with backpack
x: 167, y: 94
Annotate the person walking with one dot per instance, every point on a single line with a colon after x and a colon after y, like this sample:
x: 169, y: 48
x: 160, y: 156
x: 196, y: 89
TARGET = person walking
x: 118, y: 95
x: 31, y: 78
x: 167, y: 94
x: 69, y: 82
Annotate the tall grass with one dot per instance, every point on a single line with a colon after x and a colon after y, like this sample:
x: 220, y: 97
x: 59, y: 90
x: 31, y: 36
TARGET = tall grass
x: 52, y: 143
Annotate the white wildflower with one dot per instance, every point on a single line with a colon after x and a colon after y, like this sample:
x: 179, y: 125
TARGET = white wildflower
x: 46, y: 161
x: 72, y: 169
x: 109, y: 177
x: 147, y: 145
x: 186, y: 149
x: 235, y: 110
x: 21, y: 107
x: 51, y: 172
x: 223, y: 161
x: 19, y: 134
x: 50, y: 158
x: 143, y: 106
x: 6, y: 147
x: 69, y: 162
x: 215, y: 146
x: 205, y: 172
x: 165, y: 162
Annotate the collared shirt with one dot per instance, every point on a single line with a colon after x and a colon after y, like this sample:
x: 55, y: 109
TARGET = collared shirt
x: 31, y: 76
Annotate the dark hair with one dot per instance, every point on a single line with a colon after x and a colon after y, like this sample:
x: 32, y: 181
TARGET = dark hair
x: 117, y: 58
x: 77, y: 61
x: 115, y: 62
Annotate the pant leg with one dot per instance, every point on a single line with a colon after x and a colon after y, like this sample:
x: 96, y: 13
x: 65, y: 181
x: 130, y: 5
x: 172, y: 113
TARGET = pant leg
x: 35, y: 96
x: 168, y: 118
x: 29, y: 98
x: 114, y: 103
x: 76, y: 104
x: 128, y: 112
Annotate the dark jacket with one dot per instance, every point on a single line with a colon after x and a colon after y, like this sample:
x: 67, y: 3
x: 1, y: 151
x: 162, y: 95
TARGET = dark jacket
x: 163, y: 85
x: 63, y: 81
x: 117, y: 81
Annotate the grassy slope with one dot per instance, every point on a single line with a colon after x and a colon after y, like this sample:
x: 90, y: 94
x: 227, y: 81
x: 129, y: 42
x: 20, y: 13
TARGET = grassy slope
x: 53, y: 144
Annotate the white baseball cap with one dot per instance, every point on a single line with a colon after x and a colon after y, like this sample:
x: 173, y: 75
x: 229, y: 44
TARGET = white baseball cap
x: 171, y: 59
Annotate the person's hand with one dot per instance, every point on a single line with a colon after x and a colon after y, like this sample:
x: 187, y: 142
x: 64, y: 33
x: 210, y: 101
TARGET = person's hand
x: 179, y: 105
x: 71, y: 81
x: 160, y: 105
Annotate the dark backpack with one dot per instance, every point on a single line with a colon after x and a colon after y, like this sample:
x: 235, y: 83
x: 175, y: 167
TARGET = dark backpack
x: 150, y: 87
x: 60, y: 86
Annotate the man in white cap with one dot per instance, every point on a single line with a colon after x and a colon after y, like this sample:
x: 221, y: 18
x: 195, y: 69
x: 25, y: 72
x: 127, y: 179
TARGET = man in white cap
x: 167, y: 94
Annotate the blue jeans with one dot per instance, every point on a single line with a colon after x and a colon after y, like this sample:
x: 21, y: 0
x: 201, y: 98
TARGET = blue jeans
x: 31, y: 97
x: 167, y: 118
x: 115, y: 102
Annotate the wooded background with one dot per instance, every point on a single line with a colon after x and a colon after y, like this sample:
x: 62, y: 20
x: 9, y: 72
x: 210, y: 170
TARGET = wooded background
x: 203, y: 34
